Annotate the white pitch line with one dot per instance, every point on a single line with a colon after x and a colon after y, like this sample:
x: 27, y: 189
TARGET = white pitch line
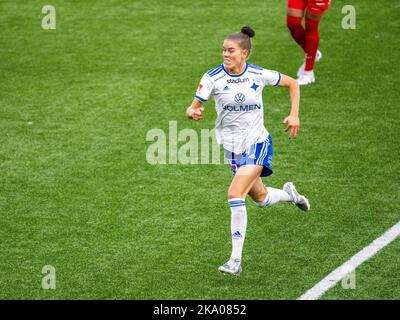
x: 350, y: 265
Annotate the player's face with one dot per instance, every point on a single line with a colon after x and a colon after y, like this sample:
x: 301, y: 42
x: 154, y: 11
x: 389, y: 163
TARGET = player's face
x: 234, y: 56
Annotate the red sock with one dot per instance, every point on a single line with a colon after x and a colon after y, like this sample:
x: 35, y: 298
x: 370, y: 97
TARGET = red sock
x: 296, y: 29
x: 312, y: 41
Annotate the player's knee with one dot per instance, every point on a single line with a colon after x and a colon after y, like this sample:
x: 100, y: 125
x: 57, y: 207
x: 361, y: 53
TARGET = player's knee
x: 259, y: 197
x: 312, y: 26
x: 235, y: 194
x: 315, y: 17
x: 293, y: 22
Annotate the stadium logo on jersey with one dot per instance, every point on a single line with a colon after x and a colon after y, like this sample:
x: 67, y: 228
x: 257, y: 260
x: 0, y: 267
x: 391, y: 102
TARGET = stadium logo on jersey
x: 237, y: 80
x: 226, y: 88
x: 240, y: 97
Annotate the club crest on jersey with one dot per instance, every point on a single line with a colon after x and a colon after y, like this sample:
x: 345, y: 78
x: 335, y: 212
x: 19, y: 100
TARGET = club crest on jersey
x: 239, y: 97
x: 254, y: 86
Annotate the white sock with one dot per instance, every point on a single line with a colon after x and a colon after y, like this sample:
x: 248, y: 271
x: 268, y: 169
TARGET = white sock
x: 274, y: 196
x: 238, y: 226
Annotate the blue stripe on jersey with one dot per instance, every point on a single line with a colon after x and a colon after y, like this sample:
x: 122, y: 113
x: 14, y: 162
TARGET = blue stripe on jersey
x: 213, y: 70
x: 215, y: 73
x: 279, y: 80
x: 255, y: 67
x: 200, y: 98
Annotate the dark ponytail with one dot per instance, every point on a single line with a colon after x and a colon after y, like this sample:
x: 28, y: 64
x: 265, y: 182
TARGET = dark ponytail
x: 249, y: 31
x: 243, y: 38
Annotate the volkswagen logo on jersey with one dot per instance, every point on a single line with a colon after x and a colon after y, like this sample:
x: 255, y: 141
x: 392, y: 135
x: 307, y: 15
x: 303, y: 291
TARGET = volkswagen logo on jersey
x: 239, y: 97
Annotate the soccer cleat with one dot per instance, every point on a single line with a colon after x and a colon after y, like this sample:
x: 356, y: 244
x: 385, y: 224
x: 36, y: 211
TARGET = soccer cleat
x: 307, y: 77
x: 233, y: 266
x: 299, y: 200
x: 318, y: 57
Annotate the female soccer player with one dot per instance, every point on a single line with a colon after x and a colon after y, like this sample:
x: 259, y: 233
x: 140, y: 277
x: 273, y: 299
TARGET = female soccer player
x: 236, y: 87
x: 307, y: 38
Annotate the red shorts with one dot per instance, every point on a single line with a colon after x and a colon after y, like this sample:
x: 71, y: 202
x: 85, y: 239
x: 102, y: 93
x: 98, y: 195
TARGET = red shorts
x: 313, y: 6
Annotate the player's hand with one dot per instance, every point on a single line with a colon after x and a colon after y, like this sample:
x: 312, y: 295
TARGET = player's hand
x: 197, y: 114
x: 293, y: 123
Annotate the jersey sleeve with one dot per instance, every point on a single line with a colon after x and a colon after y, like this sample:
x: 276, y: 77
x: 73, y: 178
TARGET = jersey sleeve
x: 270, y: 77
x: 204, y: 89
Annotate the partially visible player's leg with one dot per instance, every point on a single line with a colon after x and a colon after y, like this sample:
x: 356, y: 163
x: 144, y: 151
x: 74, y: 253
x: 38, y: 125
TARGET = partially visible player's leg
x: 312, y: 39
x: 242, y: 182
x: 239, y: 188
x: 306, y: 74
x: 262, y: 195
x: 295, y: 13
x: 267, y: 196
x: 315, y: 10
x: 258, y: 191
x: 298, y: 199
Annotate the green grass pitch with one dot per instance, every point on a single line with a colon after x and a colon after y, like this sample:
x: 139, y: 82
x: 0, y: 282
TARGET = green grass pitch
x: 77, y: 193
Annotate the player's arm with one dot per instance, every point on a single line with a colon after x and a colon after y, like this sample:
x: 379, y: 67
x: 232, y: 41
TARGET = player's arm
x: 195, y: 110
x: 292, y: 121
x: 204, y: 91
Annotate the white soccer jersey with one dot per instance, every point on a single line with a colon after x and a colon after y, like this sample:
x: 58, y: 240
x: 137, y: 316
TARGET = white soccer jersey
x: 239, y: 105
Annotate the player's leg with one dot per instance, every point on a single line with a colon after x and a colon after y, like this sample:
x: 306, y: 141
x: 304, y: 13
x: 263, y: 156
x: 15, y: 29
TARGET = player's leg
x: 262, y: 153
x: 267, y: 196
x: 312, y: 39
x: 242, y: 182
x: 294, y: 16
x: 315, y: 10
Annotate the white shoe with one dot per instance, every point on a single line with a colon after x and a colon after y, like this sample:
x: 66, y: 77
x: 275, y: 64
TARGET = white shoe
x: 233, y: 266
x: 299, y: 200
x: 318, y: 57
x: 307, y: 77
